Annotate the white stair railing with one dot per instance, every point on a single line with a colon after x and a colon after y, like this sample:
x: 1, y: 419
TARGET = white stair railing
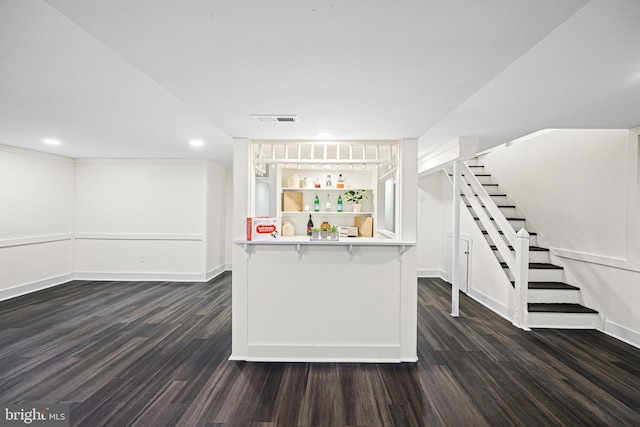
x: 517, y: 263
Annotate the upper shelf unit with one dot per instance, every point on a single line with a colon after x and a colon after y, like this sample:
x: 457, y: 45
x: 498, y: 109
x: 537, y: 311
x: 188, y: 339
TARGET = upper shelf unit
x: 336, y: 155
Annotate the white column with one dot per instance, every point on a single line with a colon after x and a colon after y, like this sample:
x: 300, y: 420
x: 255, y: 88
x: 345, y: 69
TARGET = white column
x: 455, y: 258
x: 242, y: 206
x: 408, y: 199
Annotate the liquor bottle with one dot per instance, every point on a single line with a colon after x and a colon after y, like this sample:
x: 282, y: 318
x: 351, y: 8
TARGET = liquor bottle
x: 340, y: 183
x: 327, y: 204
x: 328, y: 181
x: 309, y: 226
x: 340, y: 203
x: 316, y: 204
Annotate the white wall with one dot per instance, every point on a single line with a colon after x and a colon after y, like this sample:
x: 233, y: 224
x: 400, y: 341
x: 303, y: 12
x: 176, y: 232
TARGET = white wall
x: 217, y: 207
x: 434, y: 202
x: 571, y: 184
x: 579, y: 189
x: 36, y: 200
x: 142, y: 219
x: 228, y: 220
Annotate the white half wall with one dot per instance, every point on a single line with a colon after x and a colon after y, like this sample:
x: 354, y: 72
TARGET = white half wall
x: 36, y: 200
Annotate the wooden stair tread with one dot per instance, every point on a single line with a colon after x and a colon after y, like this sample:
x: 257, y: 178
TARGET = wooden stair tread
x: 549, y: 286
x: 508, y: 219
x: 558, y: 308
x: 531, y: 233
x: 538, y: 266
x: 531, y: 248
x: 552, y: 285
x: 500, y: 206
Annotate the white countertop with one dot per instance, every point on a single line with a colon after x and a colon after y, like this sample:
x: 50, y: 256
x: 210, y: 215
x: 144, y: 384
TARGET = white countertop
x: 344, y: 241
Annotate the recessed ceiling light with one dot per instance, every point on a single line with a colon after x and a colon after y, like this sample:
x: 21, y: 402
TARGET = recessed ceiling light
x: 51, y: 141
x: 324, y: 135
x: 196, y: 143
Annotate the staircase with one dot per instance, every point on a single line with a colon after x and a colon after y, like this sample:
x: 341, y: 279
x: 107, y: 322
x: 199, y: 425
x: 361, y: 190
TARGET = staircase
x: 551, y: 302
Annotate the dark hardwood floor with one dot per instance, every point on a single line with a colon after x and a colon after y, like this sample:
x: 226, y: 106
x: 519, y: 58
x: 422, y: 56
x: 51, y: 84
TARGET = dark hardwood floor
x: 155, y: 354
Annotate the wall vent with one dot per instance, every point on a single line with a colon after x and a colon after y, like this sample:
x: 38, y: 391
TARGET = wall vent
x: 275, y: 118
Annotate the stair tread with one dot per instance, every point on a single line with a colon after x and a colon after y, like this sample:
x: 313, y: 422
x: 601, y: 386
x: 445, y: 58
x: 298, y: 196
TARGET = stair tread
x: 531, y: 233
x: 552, y: 285
x: 558, y: 308
x: 500, y: 206
x: 549, y: 285
x: 508, y: 219
x: 538, y: 266
x: 531, y: 248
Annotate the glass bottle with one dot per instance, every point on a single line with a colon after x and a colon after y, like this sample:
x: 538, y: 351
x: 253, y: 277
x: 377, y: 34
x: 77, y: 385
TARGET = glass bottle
x: 316, y: 204
x: 309, y: 226
x: 327, y: 204
x: 328, y: 181
x: 340, y: 183
x: 340, y: 203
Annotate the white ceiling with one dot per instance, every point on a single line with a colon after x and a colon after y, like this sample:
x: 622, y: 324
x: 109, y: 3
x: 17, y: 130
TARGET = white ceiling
x: 140, y: 78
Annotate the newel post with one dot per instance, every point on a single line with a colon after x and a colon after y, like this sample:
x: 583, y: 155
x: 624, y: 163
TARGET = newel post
x: 520, y: 312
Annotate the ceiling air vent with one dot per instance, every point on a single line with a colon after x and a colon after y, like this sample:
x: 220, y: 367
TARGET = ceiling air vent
x: 275, y: 118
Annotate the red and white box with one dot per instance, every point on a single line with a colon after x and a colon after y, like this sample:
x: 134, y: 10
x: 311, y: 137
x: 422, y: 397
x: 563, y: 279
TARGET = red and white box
x: 263, y: 228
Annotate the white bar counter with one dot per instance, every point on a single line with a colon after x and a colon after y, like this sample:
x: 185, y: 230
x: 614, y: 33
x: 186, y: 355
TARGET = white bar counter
x: 350, y: 300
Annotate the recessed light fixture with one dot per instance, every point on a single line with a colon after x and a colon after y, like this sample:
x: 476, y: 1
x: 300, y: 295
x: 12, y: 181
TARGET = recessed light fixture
x: 196, y: 143
x: 51, y: 141
x: 324, y: 135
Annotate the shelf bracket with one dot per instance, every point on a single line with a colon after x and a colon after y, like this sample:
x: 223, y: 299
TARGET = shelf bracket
x: 401, y: 250
x: 248, y: 249
x: 299, y: 249
x: 350, y: 251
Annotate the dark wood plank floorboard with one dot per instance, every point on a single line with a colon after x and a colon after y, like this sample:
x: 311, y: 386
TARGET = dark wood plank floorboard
x: 156, y: 354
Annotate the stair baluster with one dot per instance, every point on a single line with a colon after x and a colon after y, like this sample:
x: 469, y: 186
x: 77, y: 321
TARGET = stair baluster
x: 518, y: 264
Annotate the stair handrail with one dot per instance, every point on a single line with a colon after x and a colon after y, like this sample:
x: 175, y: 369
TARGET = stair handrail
x: 500, y: 221
x: 518, y: 264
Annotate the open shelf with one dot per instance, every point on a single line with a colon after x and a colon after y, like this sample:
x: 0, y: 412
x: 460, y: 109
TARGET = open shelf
x: 327, y: 213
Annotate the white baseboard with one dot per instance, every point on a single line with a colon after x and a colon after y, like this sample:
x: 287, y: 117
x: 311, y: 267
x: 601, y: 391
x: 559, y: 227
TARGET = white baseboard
x: 432, y: 273
x: 493, y: 305
x: 322, y: 353
x: 39, y: 285
x: 622, y: 333
x: 216, y: 272
x: 142, y: 276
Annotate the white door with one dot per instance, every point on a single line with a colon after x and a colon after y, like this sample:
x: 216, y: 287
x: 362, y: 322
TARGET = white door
x: 465, y: 257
